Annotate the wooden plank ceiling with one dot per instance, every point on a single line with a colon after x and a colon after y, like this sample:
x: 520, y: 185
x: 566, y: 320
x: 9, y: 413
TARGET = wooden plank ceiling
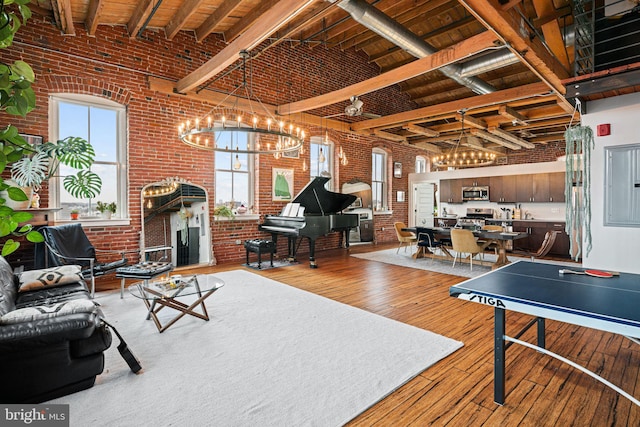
x: 515, y: 46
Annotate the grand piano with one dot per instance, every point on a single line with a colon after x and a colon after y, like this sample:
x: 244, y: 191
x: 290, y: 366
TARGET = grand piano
x: 322, y: 215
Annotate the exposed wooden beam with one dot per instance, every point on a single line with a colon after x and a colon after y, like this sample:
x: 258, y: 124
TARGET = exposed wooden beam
x: 390, y: 136
x: 140, y: 14
x: 270, y: 21
x: 93, y: 16
x: 177, y: 21
x: 551, y: 29
x: 472, y: 121
x: 530, y: 49
x: 167, y: 87
x: 316, y: 14
x: 426, y: 146
x: 63, y: 16
x: 489, y: 100
x: 555, y: 14
x: 447, y: 56
x: 509, y: 137
x: 420, y: 130
x: 493, y: 138
x: 254, y: 17
x: 209, y: 24
x: 512, y: 114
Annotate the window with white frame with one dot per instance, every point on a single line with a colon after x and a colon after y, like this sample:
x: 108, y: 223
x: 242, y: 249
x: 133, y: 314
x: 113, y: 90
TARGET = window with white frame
x: 321, y: 152
x: 103, y: 124
x: 233, y: 170
x: 378, y: 178
x: 421, y: 164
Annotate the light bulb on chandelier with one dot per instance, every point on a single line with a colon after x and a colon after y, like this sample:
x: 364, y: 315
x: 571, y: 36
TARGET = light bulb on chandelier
x: 467, y: 158
x: 278, y: 139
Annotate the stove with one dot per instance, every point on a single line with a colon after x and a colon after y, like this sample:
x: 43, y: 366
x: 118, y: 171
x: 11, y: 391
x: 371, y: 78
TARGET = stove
x: 475, y: 217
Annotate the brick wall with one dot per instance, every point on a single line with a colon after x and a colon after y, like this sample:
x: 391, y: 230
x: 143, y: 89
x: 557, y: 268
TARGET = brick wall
x: 114, y: 66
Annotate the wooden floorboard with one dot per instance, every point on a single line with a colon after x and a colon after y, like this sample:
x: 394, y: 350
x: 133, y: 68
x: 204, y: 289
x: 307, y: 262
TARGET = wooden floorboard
x: 458, y: 390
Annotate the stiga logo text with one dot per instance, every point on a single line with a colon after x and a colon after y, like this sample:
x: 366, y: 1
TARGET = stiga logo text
x: 35, y: 415
x: 487, y: 300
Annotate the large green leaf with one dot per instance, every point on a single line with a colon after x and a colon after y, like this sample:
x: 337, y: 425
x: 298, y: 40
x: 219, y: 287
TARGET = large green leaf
x: 72, y: 151
x: 31, y: 171
x: 17, y: 194
x: 24, y: 70
x: 84, y: 185
x: 9, y: 247
x: 35, y: 237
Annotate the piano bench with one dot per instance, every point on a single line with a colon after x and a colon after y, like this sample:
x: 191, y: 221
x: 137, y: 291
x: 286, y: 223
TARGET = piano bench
x: 259, y: 246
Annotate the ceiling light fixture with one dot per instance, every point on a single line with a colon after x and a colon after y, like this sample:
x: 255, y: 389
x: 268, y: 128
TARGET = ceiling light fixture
x: 458, y: 158
x: 272, y: 136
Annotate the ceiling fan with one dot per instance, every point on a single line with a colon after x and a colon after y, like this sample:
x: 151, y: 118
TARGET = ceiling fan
x: 354, y: 110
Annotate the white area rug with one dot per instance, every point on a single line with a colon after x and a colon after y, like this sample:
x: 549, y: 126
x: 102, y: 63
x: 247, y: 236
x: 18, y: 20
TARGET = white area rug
x: 271, y: 355
x: 403, y: 258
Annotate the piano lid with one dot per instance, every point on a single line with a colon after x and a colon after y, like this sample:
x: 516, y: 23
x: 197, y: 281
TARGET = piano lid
x: 317, y: 200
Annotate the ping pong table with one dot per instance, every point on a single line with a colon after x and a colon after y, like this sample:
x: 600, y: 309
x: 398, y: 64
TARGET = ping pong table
x: 540, y: 290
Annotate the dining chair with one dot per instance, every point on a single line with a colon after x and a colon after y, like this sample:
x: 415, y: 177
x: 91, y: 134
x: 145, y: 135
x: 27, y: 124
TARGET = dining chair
x: 547, y: 244
x: 427, y: 239
x: 464, y: 242
x: 404, y: 237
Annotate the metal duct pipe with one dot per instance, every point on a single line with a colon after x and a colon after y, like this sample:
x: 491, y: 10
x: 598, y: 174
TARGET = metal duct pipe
x: 381, y: 24
x: 491, y: 61
x: 503, y: 58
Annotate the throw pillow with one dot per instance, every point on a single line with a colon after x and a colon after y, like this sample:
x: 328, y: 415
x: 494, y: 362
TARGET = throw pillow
x: 30, y: 314
x: 49, y: 277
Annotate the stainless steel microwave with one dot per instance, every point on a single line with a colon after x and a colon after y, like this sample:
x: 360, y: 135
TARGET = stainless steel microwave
x: 475, y: 193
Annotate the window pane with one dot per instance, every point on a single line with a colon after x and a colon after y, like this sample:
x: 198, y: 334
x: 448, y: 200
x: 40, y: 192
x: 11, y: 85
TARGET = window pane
x: 241, y: 189
x: 73, y: 121
x: 103, y: 134
x: 224, y: 187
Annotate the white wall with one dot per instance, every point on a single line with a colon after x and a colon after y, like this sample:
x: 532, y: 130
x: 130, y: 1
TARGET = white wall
x: 614, y: 248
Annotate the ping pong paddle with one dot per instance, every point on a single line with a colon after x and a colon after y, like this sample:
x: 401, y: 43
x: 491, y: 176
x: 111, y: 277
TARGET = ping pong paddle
x: 594, y: 273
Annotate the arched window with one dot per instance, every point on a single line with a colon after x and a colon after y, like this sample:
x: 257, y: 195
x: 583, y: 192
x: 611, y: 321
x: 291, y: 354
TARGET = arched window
x: 421, y: 164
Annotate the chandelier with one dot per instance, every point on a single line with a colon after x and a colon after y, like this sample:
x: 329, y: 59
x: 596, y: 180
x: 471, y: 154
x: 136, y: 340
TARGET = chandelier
x: 458, y: 158
x: 271, y: 136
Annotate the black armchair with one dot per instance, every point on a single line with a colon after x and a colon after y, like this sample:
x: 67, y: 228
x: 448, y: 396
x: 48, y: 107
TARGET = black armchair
x: 427, y: 240
x: 68, y: 244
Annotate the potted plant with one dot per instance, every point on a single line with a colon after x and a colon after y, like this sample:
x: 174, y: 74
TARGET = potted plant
x: 223, y: 212
x: 30, y: 166
x: 106, y: 209
x: 75, y: 213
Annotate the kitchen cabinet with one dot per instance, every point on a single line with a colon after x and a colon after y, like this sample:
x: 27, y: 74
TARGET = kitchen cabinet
x: 556, y: 187
x: 450, y: 191
x: 502, y: 189
x: 540, y: 187
x: 524, y: 188
x: 475, y: 182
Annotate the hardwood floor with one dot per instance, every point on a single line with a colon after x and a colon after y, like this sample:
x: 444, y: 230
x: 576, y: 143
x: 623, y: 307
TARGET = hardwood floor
x: 458, y: 390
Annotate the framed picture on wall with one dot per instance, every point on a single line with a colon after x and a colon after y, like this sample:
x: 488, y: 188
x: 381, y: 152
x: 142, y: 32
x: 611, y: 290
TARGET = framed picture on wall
x: 32, y: 139
x: 397, y: 170
x: 294, y: 154
x: 282, y: 184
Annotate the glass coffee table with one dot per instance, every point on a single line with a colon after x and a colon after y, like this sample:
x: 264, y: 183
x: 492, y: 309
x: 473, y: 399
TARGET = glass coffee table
x: 165, y: 293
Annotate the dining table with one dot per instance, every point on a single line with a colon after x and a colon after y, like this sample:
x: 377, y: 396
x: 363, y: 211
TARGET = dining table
x: 500, y: 238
